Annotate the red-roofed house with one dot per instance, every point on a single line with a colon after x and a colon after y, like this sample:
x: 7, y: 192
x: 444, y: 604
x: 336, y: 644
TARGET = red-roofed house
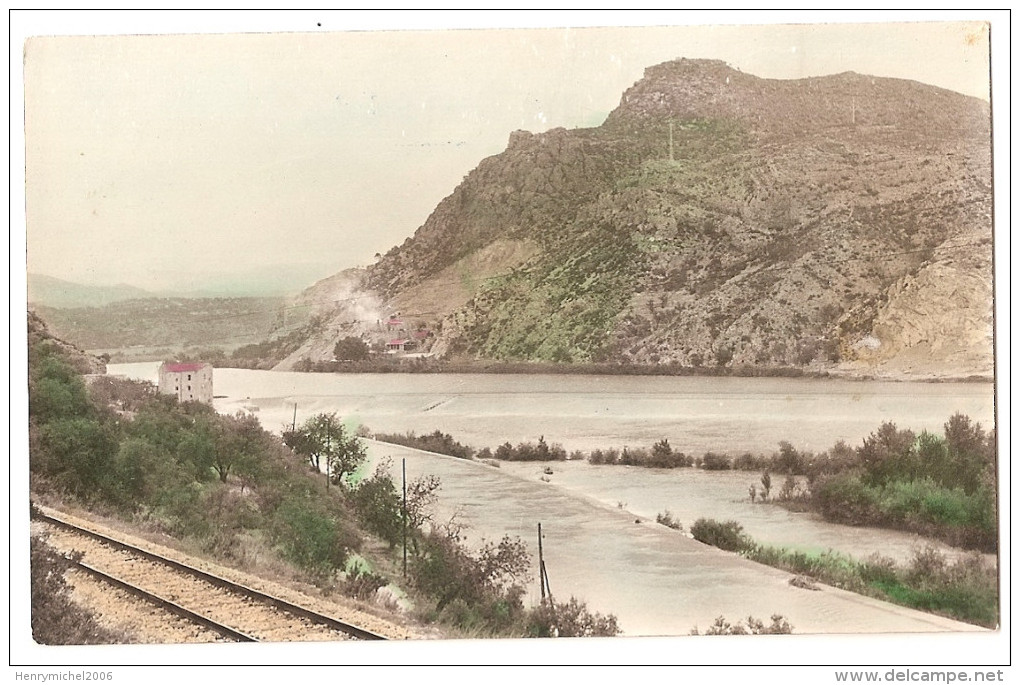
x: 189, y: 382
x: 399, y: 345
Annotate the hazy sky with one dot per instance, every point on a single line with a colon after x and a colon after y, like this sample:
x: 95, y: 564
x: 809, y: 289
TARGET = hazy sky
x: 170, y: 161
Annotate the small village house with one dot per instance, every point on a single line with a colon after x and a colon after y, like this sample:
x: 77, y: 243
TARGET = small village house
x: 399, y: 345
x: 189, y: 382
x: 395, y: 324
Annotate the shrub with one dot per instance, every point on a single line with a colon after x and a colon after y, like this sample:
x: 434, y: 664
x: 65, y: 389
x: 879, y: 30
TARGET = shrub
x: 715, y: 462
x: 843, y: 498
x: 378, y: 505
x: 667, y: 519
x: 570, y: 619
x: 446, y: 571
x: 788, y: 460
x: 754, y: 626
x: 312, y: 539
x: 56, y: 619
x: 748, y: 462
x: 436, y: 441
x: 789, y: 489
x: 362, y: 584
x: 919, y: 505
x: 728, y: 535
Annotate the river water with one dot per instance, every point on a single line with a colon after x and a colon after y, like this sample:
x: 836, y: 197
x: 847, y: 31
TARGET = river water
x: 697, y: 414
x: 601, y: 541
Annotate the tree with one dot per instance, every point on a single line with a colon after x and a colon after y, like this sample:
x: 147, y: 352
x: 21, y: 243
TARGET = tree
x: 324, y: 441
x: 351, y: 349
x: 421, y: 495
x: 239, y: 443
x: 789, y: 460
x: 378, y: 504
x: 883, y: 450
x: 198, y: 447
x: 79, y: 453
x: 447, y: 572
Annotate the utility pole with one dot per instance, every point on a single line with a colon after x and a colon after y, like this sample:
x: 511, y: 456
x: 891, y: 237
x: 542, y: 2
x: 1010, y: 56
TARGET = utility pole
x: 329, y: 459
x: 541, y: 565
x: 293, y: 423
x: 403, y: 508
x: 671, y: 140
x: 543, y: 579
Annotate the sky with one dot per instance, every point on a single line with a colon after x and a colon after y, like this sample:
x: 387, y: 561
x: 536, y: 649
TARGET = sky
x: 277, y: 149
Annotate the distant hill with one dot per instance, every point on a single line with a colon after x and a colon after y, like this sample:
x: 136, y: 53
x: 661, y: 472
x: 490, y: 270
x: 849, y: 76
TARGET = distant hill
x: 54, y: 292
x: 173, y: 322
x: 715, y: 220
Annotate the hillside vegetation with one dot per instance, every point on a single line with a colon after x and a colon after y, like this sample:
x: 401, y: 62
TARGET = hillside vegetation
x: 224, y: 485
x: 716, y: 219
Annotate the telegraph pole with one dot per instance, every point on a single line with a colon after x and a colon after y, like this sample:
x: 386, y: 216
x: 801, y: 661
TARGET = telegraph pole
x: 403, y: 508
x: 541, y: 565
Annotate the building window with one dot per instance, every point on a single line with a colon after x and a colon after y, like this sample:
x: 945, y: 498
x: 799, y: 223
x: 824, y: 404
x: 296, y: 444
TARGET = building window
x: 189, y: 376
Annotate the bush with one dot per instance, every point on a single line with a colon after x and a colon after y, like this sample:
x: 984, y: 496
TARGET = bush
x: 845, y: 499
x: 362, y: 584
x: 748, y: 462
x: 920, y: 505
x: 312, y: 539
x: 530, y: 451
x: 667, y: 519
x: 437, y: 441
x: 56, y: 619
x: 570, y: 619
x: 754, y: 626
x: 788, y: 460
x: 378, y: 505
x: 728, y: 535
x: 715, y: 462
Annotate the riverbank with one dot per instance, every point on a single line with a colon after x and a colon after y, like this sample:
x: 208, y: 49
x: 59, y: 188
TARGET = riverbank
x: 428, y: 365
x: 396, y: 364
x: 654, y: 580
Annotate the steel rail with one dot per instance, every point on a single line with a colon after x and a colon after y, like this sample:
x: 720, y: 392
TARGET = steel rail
x: 213, y: 579
x: 172, y: 607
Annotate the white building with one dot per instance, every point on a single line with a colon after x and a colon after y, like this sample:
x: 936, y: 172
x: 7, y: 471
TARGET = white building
x: 189, y: 382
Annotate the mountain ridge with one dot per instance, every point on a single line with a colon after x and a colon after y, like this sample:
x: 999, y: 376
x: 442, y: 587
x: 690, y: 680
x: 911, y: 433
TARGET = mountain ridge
x: 716, y: 219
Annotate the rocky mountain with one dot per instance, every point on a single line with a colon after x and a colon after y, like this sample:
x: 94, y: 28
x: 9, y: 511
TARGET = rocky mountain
x: 714, y: 219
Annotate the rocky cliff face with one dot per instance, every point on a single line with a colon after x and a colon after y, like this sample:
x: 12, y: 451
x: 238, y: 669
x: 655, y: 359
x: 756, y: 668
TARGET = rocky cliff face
x: 720, y: 219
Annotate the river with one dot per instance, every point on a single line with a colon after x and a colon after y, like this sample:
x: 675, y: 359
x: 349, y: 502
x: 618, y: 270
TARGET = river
x: 697, y: 414
x: 601, y: 540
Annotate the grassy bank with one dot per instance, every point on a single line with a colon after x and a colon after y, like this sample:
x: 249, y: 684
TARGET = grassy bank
x: 965, y: 589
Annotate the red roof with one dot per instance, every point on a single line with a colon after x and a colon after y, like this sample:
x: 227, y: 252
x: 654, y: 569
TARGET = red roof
x: 399, y: 341
x: 184, y: 368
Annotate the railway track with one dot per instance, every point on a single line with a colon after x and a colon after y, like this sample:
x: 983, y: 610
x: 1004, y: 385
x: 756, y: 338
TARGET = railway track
x: 230, y: 610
